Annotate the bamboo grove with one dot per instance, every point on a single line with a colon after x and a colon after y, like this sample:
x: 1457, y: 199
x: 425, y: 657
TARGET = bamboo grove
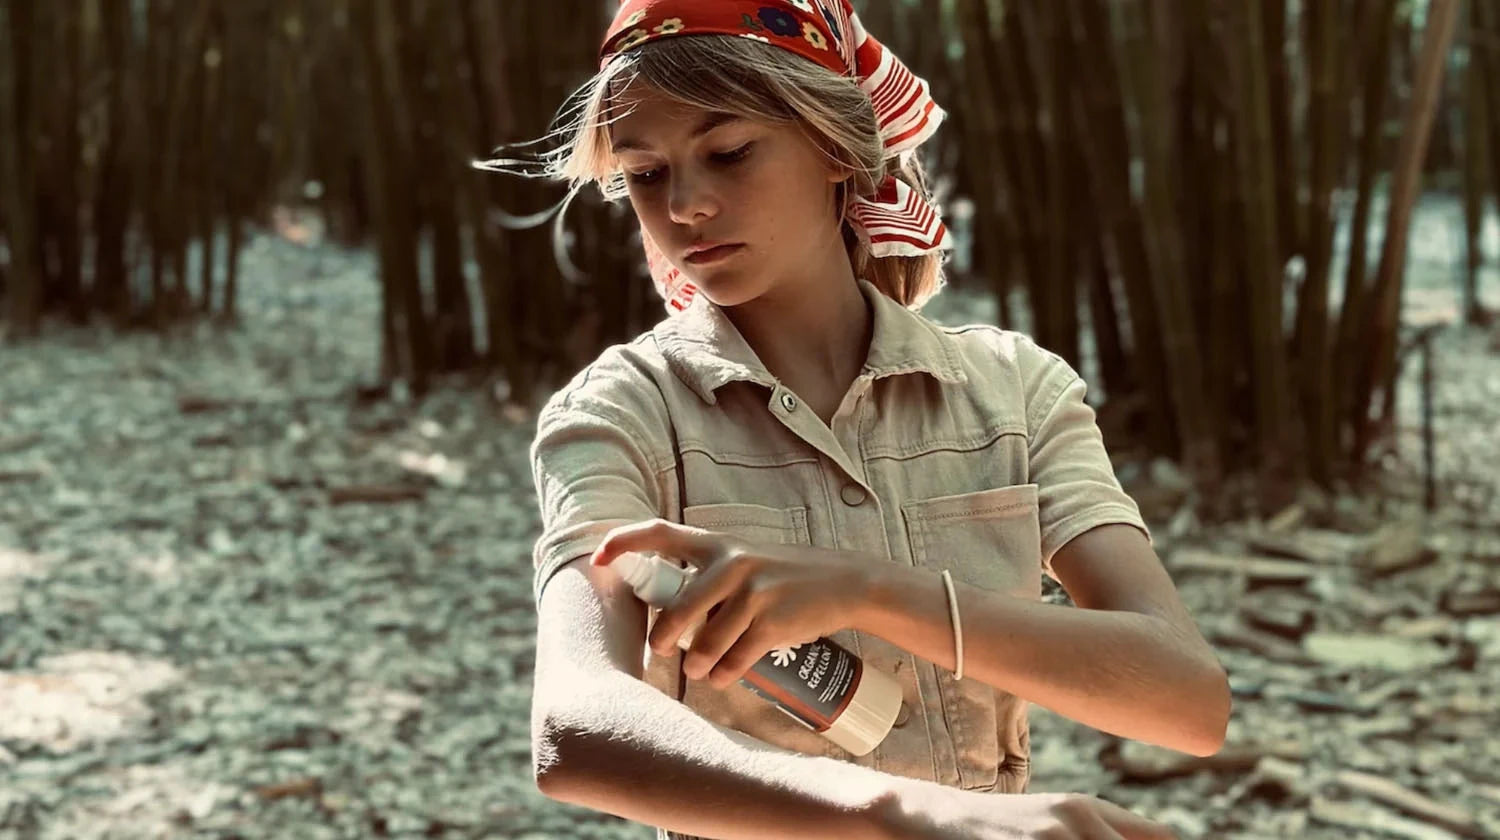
x: 1164, y: 178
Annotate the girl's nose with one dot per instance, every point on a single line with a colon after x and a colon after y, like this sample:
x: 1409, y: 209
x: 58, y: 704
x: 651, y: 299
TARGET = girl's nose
x: 690, y: 200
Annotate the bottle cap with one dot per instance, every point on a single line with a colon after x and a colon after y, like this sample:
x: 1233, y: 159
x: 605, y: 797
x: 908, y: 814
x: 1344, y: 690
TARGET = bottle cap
x: 654, y: 580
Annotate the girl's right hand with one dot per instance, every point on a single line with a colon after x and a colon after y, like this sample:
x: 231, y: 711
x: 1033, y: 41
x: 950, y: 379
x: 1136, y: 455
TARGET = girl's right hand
x: 941, y: 813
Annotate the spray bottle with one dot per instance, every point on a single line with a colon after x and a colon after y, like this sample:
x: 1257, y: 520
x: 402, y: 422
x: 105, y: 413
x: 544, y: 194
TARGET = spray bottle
x: 819, y: 684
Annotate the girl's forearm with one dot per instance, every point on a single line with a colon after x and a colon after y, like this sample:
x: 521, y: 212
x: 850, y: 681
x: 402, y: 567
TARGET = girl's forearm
x: 626, y: 749
x: 1124, y: 673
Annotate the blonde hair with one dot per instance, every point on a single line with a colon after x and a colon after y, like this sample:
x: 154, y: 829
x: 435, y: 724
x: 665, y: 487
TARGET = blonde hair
x: 759, y: 82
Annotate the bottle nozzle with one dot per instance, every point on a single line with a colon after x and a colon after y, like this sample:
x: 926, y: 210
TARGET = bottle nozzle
x: 633, y: 567
x: 654, y: 580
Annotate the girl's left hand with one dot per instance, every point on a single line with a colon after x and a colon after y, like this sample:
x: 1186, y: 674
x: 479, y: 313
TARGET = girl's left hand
x: 757, y: 596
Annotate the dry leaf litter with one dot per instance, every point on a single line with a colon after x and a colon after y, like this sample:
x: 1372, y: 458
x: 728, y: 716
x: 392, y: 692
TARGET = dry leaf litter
x: 242, y: 596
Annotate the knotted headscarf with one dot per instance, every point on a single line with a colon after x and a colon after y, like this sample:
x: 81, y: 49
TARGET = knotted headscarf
x: 896, y: 220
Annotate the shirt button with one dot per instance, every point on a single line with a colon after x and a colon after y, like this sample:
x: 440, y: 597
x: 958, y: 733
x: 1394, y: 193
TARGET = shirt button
x: 903, y: 716
x: 852, y: 494
x: 788, y: 402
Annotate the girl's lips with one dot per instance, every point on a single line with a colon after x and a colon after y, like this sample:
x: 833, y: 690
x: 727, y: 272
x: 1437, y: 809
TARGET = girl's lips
x: 713, y: 255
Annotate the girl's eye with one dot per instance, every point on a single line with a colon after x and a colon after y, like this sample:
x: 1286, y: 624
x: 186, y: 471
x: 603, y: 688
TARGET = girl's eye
x: 645, y: 179
x: 651, y: 176
x: 736, y: 155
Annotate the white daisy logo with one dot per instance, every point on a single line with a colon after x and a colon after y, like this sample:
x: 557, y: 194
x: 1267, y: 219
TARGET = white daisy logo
x: 785, y: 656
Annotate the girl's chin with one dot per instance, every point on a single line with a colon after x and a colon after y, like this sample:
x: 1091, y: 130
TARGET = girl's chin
x: 727, y: 292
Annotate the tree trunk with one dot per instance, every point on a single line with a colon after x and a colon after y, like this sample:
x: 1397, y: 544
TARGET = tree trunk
x: 1327, y: 120
x: 1099, y: 112
x: 1379, y: 373
x: 17, y: 156
x: 1024, y: 161
x: 1285, y: 166
x: 981, y: 158
x: 1255, y: 141
x: 1475, y: 165
x: 453, y: 331
x: 392, y: 197
x: 1163, y: 243
x: 1374, y: 68
x: 1054, y: 288
x: 66, y: 234
x: 485, y: 49
x: 1489, y: 54
x: 112, y: 201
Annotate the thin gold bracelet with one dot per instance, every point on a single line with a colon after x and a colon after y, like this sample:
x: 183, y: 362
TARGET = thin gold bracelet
x: 958, y: 630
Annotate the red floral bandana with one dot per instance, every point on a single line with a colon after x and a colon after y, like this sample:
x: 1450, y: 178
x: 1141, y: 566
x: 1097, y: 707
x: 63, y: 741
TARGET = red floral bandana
x: 896, y: 220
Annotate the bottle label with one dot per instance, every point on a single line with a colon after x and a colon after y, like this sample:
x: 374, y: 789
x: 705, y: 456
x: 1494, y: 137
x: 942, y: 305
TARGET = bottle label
x: 812, y: 682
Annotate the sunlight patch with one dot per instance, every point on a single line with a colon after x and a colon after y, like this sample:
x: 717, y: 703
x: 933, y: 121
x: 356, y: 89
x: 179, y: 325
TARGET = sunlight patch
x: 15, y: 566
x: 80, y: 697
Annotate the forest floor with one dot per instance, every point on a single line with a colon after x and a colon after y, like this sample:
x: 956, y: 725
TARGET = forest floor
x: 240, y: 600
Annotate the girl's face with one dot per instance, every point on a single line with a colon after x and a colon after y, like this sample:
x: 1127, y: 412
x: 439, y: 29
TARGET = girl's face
x: 699, y: 177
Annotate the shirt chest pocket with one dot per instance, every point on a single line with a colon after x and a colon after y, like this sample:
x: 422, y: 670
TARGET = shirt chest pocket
x: 989, y: 539
x: 759, y: 523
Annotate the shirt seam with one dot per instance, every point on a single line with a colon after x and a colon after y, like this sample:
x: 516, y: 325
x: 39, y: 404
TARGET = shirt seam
x: 597, y: 410
x: 931, y: 445
x: 1051, y: 401
x: 1105, y: 512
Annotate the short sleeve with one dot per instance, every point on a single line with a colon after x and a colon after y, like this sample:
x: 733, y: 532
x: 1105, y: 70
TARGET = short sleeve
x: 594, y: 469
x: 1077, y: 489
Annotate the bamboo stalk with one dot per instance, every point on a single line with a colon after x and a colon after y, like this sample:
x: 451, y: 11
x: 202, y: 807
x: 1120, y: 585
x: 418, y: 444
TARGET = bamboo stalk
x: 387, y: 134
x: 486, y: 51
x: 1224, y: 334
x: 1373, y: 65
x: 1162, y: 238
x: 1099, y: 113
x: 1024, y: 154
x: 18, y: 190
x: 207, y: 157
x: 983, y: 156
x: 1488, y: 54
x: 1328, y: 120
x: 1285, y: 165
x: 1055, y: 291
x: 113, y: 190
x: 452, y: 338
x: 68, y: 291
x: 1476, y: 175
x: 1379, y: 370
x: 1256, y: 158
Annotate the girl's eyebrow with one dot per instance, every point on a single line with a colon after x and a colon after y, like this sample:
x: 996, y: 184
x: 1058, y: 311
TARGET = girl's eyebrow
x: 711, y: 122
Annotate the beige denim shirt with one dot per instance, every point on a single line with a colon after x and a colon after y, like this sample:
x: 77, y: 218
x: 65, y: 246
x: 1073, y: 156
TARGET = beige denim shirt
x: 964, y: 448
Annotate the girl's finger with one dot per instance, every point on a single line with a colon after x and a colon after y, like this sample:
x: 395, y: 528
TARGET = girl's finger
x: 740, y: 658
x: 1098, y: 828
x: 724, y: 631
x: 1131, y: 825
x: 695, y: 545
x: 702, y: 593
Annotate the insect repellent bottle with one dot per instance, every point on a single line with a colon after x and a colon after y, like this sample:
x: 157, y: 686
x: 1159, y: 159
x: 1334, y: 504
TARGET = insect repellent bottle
x: 819, y: 684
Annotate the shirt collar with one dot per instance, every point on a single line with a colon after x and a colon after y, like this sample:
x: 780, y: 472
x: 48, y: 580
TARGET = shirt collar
x: 705, y: 350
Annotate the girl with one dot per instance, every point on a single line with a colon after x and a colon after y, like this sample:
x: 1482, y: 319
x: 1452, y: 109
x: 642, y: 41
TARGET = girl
x: 833, y: 463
